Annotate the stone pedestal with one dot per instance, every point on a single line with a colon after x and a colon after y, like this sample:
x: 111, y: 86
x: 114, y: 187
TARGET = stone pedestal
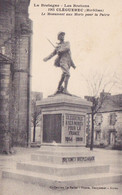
x: 64, y: 120
x: 63, y: 161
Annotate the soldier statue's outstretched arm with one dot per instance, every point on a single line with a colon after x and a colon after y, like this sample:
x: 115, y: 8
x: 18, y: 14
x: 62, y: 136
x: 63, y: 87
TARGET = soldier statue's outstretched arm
x: 50, y: 56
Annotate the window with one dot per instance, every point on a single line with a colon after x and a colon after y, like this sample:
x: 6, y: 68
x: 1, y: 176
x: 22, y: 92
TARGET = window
x: 113, y: 119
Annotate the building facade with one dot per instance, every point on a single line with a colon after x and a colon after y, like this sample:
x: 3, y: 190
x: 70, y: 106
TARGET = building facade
x: 107, y: 123
x: 15, y: 49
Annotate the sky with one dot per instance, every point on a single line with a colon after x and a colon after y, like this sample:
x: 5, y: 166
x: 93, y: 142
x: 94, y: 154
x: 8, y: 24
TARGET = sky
x: 95, y: 41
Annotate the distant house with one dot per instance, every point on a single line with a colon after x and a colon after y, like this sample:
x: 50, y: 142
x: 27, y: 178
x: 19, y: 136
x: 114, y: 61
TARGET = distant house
x: 108, y: 122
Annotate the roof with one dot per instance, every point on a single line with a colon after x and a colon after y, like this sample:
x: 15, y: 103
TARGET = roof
x: 112, y: 103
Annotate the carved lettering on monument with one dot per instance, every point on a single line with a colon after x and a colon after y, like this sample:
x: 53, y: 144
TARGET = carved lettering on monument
x: 77, y: 159
x: 73, y: 132
x: 68, y: 139
x: 79, y: 139
x: 74, y: 125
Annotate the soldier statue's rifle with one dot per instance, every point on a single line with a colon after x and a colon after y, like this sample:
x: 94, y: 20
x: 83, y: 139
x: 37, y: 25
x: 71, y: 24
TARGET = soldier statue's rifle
x: 51, y: 43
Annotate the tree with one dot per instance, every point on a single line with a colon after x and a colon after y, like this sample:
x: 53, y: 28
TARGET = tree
x: 97, y: 83
x: 35, y: 117
x: 118, y: 78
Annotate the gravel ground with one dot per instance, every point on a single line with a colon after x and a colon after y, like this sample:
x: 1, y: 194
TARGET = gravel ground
x: 12, y: 187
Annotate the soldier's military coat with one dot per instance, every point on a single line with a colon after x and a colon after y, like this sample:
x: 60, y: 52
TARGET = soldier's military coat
x: 64, y: 59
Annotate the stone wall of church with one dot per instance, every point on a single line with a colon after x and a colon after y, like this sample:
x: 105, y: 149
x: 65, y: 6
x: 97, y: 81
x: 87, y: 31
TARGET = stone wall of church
x: 5, y: 76
x: 15, y: 43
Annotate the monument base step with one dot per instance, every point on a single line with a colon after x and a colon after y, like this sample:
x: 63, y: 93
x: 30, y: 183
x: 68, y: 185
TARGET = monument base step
x: 58, y: 150
x: 66, y: 159
x: 63, y: 170
x: 67, y: 181
x: 63, y: 155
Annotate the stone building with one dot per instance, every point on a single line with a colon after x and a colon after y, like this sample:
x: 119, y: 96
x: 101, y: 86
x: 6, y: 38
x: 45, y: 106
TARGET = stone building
x: 108, y: 122
x: 15, y: 49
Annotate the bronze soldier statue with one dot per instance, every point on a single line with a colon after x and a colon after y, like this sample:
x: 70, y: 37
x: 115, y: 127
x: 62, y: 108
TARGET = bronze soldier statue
x: 63, y: 60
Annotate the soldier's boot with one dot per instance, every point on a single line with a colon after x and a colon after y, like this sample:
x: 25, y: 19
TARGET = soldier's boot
x: 60, y: 82
x: 66, y: 84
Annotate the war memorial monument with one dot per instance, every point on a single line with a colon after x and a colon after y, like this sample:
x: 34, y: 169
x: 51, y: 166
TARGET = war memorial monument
x: 63, y: 160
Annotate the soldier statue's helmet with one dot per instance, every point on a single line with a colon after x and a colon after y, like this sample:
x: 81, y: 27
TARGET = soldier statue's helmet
x: 61, y: 33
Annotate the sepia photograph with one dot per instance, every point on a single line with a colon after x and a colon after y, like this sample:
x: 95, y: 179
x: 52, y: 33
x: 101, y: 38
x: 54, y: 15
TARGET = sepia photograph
x: 60, y: 97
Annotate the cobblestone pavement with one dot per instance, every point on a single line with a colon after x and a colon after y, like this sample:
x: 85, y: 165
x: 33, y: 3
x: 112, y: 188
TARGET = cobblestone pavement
x: 12, y: 187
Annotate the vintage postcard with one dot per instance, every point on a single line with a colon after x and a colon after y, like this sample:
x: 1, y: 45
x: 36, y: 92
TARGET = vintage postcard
x: 60, y: 97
